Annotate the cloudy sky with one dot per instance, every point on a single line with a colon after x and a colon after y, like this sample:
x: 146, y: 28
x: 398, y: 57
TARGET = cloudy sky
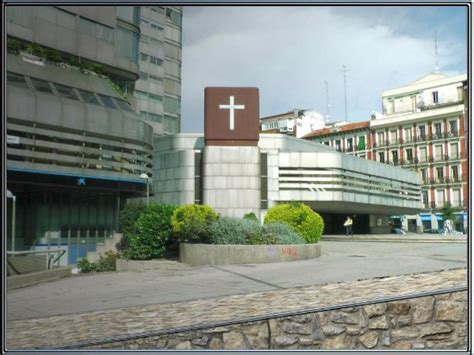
x: 288, y: 52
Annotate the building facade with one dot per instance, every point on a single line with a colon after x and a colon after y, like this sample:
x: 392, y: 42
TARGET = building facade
x: 76, y: 149
x: 158, y: 89
x: 296, y: 122
x: 422, y: 128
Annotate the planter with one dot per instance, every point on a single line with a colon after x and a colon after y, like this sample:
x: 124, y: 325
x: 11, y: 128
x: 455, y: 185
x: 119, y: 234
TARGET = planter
x: 211, y: 254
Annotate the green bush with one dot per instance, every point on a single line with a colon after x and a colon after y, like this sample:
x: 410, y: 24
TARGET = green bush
x: 152, y: 229
x: 191, y: 223
x: 299, y: 217
x: 127, y: 222
x: 107, y: 262
x: 86, y: 266
x: 228, y: 230
x: 251, y: 216
x: 282, y: 233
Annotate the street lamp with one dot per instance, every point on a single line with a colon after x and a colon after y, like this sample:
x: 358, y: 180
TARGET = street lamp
x: 13, y: 197
x: 147, y: 178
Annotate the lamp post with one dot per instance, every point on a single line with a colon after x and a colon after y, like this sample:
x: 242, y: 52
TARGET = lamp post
x: 147, y: 178
x: 13, y: 197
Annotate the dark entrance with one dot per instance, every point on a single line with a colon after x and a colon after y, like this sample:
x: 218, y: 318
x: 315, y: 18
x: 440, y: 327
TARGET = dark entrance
x: 334, y: 223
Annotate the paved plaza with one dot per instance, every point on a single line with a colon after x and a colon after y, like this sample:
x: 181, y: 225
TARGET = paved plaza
x: 175, y: 282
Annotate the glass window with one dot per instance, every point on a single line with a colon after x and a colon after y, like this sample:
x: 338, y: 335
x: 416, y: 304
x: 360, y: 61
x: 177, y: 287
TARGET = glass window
x: 423, y: 155
x: 66, y: 91
x: 439, y: 173
x: 172, y: 87
x: 107, y: 101
x: 41, y: 85
x: 155, y: 80
x: 172, y: 51
x: 408, y: 134
x: 171, y: 124
x: 382, y: 157
x: 173, y: 34
x: 425, y: 198
x: 424, y: 176
x: 434, y: 95
x: 438, y: 129
x: 361, y: 143
x: 127, y: 43
x: 87, y: 27
x: 17, y: 80
x: 125, y: 13
x: 105, y: 33
x: 66, y: 19
x: 409, y: 154
x: 454, y: 151
x: 422, y: 131
x: 456, y: 197
x: 155, y: 118
x: 123, y: 105
x: 141, y: 94
x: 88, y: 97
x: 394, y: 156
x: 440, y: 197
x: 171, y: 105
x: 155, y: 97
x: 144, y: 57
x: 453, y: 125
x: 454, y: 173
x: 380, y: 138
x: 439, y: 152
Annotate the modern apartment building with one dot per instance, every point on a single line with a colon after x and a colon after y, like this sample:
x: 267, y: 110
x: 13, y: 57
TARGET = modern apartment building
x: 76, y: 149
x: 158, y: 90
x: 422, y: 128
x: 296, y: 122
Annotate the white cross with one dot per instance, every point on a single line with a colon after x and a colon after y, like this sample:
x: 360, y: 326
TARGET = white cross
x: 231, y: 107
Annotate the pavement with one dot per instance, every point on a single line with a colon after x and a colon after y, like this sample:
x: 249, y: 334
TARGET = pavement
x: 398, y: 238
x: 342, y: 260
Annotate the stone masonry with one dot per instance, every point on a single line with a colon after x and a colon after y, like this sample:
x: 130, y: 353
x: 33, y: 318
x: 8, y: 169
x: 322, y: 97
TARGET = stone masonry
x: 417, y: 311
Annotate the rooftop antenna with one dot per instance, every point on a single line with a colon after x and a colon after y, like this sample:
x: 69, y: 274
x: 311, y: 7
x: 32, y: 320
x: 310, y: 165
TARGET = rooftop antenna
x: 436, y: 54
x: 344, y: 70
x: 327, y: 101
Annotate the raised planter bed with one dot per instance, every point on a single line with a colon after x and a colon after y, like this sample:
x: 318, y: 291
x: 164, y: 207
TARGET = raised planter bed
x: 211, y: 254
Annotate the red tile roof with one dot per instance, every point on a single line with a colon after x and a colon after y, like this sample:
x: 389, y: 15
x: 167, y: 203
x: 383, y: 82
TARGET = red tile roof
x: 346, y: 128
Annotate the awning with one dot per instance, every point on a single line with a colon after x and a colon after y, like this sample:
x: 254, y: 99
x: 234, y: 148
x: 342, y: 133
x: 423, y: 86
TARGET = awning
x: 425, y: 217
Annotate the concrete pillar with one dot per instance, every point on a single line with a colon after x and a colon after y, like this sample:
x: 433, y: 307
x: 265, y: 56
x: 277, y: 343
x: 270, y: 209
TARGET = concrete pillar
x: 378, y: 224
x: 231, y: 179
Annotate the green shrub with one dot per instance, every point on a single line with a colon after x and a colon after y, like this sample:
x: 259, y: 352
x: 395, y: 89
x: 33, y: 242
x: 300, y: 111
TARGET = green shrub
x: 228, y: 230
x: 127, y: 222
x: 107, y: 262
x: 282, y: 233
x: 152, y: 229
x: 191, y: 223
x: 86, y: 266
x: 299, y: 217
x: 251, y: 216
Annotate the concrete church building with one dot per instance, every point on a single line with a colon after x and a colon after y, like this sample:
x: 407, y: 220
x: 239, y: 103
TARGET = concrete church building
x: 236, y: 170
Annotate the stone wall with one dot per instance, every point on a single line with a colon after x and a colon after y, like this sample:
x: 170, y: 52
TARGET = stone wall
x: 429, y: 322
x: 24, y: 264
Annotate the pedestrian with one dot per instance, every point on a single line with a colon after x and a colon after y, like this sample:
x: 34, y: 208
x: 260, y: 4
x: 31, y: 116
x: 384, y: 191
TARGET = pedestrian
x: 448, y: 227
x: 348, y: 225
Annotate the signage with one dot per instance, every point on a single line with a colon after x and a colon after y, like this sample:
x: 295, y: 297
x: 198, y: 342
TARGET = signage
x: 13, y: 139
x: 231, y: 116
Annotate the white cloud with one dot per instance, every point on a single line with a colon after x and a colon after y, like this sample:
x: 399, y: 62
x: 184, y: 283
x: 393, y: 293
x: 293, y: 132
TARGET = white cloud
x: 288, y: 53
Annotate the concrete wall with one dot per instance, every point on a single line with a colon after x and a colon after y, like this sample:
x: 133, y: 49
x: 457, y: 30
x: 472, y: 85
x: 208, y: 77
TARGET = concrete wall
x: 23, y: 264
x: 429, y: 322
x: 206, y: 254
x: 231, y: 183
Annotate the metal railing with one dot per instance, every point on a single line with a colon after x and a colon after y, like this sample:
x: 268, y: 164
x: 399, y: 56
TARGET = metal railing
x: 50, y: 260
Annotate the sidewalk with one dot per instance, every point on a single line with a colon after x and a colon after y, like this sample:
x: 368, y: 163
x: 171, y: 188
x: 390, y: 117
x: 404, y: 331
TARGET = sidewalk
x: 399, y: 238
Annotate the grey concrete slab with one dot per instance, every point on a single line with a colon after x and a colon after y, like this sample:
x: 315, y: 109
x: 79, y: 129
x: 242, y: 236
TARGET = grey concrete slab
x: 339, y: 261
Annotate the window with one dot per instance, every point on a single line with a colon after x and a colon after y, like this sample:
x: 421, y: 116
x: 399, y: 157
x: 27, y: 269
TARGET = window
x: 171, y: 68
x: 393, y: 136
x: 361, y: 143
x: 338, y: 145
x: 171, y: 124
x: 17, y: 80
x: 382, y: 157
x: 155, y: 97
x: 171, y: 105
x: 172, y: 51
x: 423, y: 155
x: 350, y: 146
x: 127, y: 43
x: 172, y: 87
x: 453, y: 127
x: 41, y: 85
x: 440, y: 198
x: 88, y: 27
x: 438, y: 130
x: 454, y: 173
x: 425, y: 200
x: 155, y: 80
x: 172, y: 34
x: 409, y: 154
x: 107, y: 101
x: 454, y: 151
x: 129, y: 14
x: 66, y: 91
x: 422, y: 130
x: 122, y: 104
x: 380, y: 138
x: 456, y: 197
x: 88, y: 97
x: 395, y: 156
x: 434, y: 95
x: 144, y: 57
x: 440, y: 174
x: 424, y: 175
x: 197, y: 177
x: 155, y: 118
x: 439, y: 152
x: 408, y: 134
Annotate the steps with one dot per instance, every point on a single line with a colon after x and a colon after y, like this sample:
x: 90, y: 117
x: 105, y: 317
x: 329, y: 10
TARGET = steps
x: 34, y: 278
x: 102, y: 248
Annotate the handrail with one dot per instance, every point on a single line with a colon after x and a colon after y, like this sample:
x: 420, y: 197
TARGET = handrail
x: 49, y: 264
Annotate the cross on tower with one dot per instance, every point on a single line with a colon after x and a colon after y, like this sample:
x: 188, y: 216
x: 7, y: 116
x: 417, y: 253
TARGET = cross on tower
x: 231, y: 107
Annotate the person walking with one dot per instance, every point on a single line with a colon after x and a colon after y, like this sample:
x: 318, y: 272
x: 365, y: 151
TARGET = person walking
x: 448, y: 227
x: 348, y: 224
